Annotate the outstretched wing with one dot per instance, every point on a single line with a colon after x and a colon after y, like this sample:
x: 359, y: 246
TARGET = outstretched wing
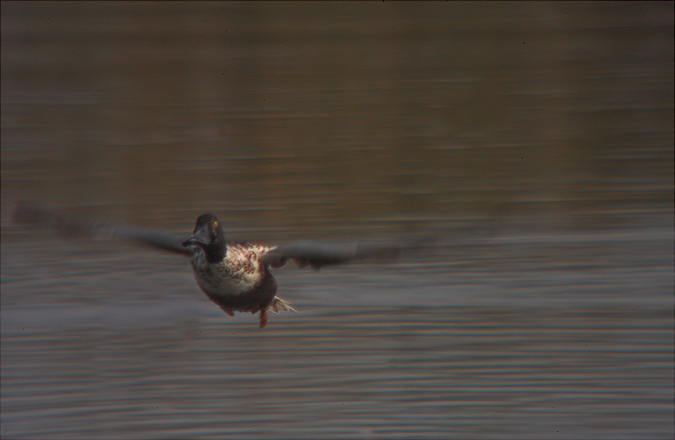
x: 304, y: 253
x: 24, y: 213
x: 317, y: 254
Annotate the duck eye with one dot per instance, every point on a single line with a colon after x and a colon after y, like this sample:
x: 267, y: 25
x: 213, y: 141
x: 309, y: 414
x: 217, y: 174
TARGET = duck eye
x: 215, y: 223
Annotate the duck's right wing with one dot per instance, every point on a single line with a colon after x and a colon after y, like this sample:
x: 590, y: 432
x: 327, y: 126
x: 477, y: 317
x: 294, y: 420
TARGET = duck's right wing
x: 24, y: 213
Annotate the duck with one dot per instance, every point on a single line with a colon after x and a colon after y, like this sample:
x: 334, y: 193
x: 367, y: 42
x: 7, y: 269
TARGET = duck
x: 236, y: 276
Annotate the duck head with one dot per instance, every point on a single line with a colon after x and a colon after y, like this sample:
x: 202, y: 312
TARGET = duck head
x: 208, y: 235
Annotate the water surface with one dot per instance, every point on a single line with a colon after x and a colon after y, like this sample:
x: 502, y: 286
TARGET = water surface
x: 533, y: 141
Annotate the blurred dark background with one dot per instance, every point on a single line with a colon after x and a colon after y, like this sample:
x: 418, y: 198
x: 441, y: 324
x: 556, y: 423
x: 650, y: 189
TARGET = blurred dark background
x: 535, y: 140
x: 310, y: 115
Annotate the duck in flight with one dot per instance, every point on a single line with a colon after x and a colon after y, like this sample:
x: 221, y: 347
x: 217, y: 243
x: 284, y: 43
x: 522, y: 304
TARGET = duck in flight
x: 234, y: 275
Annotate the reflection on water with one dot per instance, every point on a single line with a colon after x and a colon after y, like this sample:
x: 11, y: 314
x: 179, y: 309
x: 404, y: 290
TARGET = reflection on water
x: 534, y: 140
x: 384, y: 116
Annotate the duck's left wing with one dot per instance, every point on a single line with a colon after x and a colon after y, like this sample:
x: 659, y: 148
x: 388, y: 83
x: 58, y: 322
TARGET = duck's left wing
x: 25, y: 213
x: 317, y: 254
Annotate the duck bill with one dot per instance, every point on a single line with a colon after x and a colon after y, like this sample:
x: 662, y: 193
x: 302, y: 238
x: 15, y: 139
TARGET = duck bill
x: 200, y: 238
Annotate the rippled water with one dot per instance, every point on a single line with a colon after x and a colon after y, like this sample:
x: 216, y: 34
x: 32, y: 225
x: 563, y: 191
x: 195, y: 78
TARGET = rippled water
x: 394, y: 372
x: 532, y: 141
x: 421, y: 349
